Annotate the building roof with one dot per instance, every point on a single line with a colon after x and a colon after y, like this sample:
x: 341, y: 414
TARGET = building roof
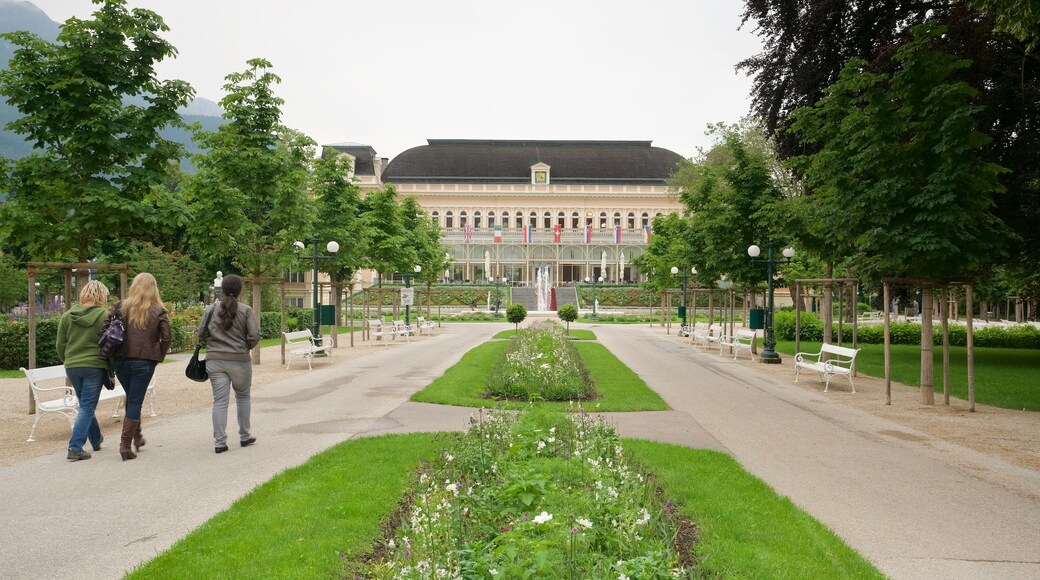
x: 500, y: 161
x: 363, y: 156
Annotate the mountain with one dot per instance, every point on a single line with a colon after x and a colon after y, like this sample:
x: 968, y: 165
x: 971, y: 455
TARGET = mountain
x: 22, y: 15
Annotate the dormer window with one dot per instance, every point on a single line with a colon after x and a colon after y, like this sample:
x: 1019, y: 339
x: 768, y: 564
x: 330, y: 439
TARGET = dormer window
x: 539, y: 174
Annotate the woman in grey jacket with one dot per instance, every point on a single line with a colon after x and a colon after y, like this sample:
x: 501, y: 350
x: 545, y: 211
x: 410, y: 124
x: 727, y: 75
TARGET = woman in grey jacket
x: 233, y: 330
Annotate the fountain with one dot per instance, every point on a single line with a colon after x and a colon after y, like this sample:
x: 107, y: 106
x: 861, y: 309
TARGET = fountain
x: 542, y: 289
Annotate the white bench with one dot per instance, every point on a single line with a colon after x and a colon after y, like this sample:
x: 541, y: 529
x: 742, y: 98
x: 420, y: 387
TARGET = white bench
x: 302, y: 343
x: 424, y: 324
x: 707, y: 335
x: 54, y: 397
x: 741, y: 340
x: 378, y: 331
x: 841, y: 361
x: 403, y: 329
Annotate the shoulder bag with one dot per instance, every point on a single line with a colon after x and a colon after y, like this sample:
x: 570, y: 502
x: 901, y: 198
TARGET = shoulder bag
x: 112, y: 335
x: 196, y: 369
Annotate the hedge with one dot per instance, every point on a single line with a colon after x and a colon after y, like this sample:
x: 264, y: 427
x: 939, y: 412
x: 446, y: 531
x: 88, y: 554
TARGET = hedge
x: 1018, y: 336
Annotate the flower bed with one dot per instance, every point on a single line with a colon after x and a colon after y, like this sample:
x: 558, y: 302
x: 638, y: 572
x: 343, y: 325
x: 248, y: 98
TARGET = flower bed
x: 535, y: 495
x: 540, y: 364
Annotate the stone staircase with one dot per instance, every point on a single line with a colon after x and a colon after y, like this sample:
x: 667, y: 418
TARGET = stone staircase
x: 525, y: 296
x: 566, y: 295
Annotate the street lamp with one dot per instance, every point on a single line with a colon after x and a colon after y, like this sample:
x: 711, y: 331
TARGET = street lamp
x: 682, y: 312
x: 408, y: 303
x: 769, y: 355
x: 594, y: 301
x: 332, y: 248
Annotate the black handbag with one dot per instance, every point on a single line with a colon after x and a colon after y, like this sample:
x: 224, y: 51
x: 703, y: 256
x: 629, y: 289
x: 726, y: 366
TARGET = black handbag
x: 196, y: 369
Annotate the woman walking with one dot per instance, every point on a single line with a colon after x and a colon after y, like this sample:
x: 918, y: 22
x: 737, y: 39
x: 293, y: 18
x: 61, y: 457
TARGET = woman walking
x: 78, y: 332
x: 146, y: 344
x: 233, y: 330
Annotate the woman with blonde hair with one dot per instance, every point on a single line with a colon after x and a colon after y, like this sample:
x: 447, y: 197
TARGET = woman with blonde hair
x: 145, y: 346
x: 78, y: 332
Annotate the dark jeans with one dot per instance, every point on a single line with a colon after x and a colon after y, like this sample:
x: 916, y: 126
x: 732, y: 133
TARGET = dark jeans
x: 86, y: 381
x: 135, y: 374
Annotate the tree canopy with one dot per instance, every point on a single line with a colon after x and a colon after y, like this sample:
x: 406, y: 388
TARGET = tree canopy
x: 98, y: 158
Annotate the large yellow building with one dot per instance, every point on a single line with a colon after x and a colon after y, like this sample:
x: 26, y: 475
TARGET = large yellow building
x: 513, y: 209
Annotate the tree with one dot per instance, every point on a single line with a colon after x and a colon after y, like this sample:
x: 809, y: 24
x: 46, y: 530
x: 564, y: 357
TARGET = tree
x: 391, y: 245
x: 897, y: 179
x: 808, y: 43
x: 567, y: 313
x: 516, y: 313
x: 248, y: 199
x: 14, y: 283
x: 98, y: 157
x: 339, y: 218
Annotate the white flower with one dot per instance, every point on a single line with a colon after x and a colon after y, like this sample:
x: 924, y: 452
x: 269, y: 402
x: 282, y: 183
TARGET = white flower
x: 584, y: 523
x: 493, y: 572
x: 451, y: 487
x: 542, y: 518
x: 448, y: 457
x: 541, y: 445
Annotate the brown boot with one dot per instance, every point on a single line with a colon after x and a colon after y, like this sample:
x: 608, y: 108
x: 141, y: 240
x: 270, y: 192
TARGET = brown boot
x: 139, y: 440
x: 130, y: 428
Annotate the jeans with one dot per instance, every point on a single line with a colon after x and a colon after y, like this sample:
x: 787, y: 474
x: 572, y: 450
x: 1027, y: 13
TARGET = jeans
x: 135, y: 374
x: 225, y: 375
x: 86, y: 381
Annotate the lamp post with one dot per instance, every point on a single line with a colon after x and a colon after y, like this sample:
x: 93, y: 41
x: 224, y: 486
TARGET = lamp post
x: 332, y: 247
x: 594, y: 301
x: 675, y: 271
x: 769, y: 354
x: 408, y: 303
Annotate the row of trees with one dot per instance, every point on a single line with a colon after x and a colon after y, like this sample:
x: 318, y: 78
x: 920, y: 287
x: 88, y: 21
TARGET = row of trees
x: 890, y: 169
x: 102, y: 183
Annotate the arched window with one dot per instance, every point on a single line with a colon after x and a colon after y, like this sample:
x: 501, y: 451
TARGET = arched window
x: 575, y: 220
x: 561, y: 219
x: 476, y: 220
x: 588, y: 218
x: 449, y: 220
x: 646, y: 220
x: 462, y: 219
x: 602, y: 219
x: 631, y: 221
x: 547, y: 220
x: 534, y: 219
x: 505, y: 220
x: 435, y: 217
x: 491, y: 219
x: 617, y: 218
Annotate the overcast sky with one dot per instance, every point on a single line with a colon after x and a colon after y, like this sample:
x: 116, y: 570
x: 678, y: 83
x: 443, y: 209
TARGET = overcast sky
x: 393, y: 73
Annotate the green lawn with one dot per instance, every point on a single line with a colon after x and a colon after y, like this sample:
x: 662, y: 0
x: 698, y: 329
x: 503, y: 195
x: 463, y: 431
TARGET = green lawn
x: 308, y: 521
x: 618, y: 387
x: 1004, y: 377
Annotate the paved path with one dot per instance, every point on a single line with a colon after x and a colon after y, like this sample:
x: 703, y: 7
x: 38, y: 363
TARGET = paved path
x: 915, y: 506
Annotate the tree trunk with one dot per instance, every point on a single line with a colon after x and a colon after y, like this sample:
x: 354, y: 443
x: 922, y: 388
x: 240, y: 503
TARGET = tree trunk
x: 927, y: 364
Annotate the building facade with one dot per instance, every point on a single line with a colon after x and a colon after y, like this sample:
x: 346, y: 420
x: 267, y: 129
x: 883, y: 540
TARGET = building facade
x: 514, y: 209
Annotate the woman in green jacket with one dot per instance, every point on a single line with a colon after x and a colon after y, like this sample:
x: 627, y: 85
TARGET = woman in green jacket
x: 78, y: 333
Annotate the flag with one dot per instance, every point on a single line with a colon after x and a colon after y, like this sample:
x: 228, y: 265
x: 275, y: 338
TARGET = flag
x: 498, y: 234
x: 617, y: 234
x: 646, y: 234
x: 557, y: 233
x: 467, y: 233
x: 588, y: 234
x: 527, y: 234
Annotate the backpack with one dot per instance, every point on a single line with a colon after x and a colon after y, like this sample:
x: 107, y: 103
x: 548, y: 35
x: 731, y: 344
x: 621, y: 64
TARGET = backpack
x: 112, y: 335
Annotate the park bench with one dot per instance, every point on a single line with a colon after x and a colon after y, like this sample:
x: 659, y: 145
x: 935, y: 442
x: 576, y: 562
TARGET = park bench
x: 832, y: 360
x: 741, y: 340
x: 424, y: 324
x: 381, y: 332
x: 403, y: 329
x: 302, y: 343
x: 705, y: 336
x: 52, y: 396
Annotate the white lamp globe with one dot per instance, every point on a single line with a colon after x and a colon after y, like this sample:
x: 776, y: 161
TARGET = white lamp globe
x: 788, y: 252
x: 675, y: 270
x: 754, y: 251
x: 332, y: 246
x: 417, y: 268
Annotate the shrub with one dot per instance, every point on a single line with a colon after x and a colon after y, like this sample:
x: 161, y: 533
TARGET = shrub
x: 568, y: 313
x: 516, y: 313
x: 14, y: 343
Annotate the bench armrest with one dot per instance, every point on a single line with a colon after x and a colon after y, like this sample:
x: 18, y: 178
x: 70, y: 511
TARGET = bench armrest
x: 799, y: 357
